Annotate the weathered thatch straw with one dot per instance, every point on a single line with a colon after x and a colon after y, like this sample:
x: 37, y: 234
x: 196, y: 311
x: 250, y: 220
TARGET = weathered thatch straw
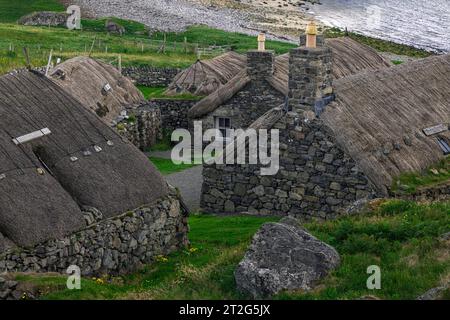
x: 86, y: 78
x: 349, y: 57
x: 379, y: 117
x: 82, y: 162
x: 206, y: 76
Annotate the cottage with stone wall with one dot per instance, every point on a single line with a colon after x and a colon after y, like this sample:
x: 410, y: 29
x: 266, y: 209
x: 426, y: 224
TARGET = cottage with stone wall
x: 334, y: 153
x: 72, y: 191
x: 246, y: 97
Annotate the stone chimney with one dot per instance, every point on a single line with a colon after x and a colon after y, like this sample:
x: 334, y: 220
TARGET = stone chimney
x: 260, y: 64
x: 310, y: 74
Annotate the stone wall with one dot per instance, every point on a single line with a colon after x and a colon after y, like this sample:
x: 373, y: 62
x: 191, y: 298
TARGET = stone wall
x: 44, y: 18
x: 151, y: 76
x: 173, y: 112
x: 439, y: 192
x: 316, y: 178
x: 112, y: 246
x: 143, y: 127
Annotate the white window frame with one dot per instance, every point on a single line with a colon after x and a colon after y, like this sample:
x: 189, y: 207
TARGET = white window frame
x: 223, y: 127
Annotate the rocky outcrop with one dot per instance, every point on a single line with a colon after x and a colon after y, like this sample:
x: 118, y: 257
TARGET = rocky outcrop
x: 435, y: 293
x: 44, y: 18
x: 284, y: 256
x: 113, y: 27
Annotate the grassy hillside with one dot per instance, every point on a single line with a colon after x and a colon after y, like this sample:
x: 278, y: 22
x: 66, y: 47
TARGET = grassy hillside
x: 12, y: 10
x: 403, y: 238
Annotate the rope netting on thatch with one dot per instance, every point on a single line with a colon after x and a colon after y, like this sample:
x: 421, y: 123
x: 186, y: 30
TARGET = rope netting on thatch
x: 379, y: 117
x: 86, y: 78
x: 82, y: 162
x: 206, y: 76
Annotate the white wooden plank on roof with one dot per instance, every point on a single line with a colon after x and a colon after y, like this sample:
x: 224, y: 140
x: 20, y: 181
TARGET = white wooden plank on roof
x: 32, y: 136
x: 435, y: 129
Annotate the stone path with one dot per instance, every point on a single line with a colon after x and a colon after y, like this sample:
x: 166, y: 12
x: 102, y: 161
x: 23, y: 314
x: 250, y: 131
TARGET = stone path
x: 189, y: 182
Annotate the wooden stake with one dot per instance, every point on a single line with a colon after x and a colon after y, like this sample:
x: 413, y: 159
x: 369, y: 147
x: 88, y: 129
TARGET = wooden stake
x: 92, y: 46
x: 120, y: 64
x: 27, y: 57
x: 49, y: 62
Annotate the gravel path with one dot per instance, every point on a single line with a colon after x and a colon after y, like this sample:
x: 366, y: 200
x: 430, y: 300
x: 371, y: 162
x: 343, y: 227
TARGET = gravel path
x: 189, y: 182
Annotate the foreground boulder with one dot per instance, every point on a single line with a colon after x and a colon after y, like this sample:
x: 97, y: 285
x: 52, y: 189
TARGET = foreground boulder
x: 283, y: 256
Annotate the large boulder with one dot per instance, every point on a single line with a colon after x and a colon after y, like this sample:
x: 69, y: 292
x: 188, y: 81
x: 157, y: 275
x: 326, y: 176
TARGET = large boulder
x: 284, y: 256
x: 44, y: 18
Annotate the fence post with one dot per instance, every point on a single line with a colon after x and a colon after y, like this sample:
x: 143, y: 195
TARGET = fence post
x: 120, y: 64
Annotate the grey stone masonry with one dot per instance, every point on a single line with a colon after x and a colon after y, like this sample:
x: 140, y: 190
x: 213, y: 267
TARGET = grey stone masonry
x: 316, y: 177
x: 260, y: 64
x: 143, y: 128
x: 151, y: 76
x: 113, y: 246
x: 310, y: 77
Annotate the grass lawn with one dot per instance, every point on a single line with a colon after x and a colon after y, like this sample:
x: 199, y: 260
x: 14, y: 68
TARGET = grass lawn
x: 409, y: 182
x: 11, y: 11
x: 400, y: 237
x: 166, y: 166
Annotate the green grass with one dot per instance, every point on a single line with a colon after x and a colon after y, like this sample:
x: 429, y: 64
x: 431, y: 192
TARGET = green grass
x: 11, y: 11
x: 203, y: 270
x: 409, y: 182
x: 158, y: 93
x: 401, y: 237
x: 166, y: 166
x: 380, y: 45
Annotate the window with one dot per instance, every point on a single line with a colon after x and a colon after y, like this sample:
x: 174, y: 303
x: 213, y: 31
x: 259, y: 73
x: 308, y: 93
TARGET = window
x: 224, y: 125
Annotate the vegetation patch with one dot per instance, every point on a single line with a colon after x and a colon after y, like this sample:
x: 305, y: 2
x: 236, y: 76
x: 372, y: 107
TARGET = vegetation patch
x: 409, y: 183
x: 401, y: 237
x: 158, y: 93
x: 166, y: 166
x: 11, y: 11
x: 378, y: 44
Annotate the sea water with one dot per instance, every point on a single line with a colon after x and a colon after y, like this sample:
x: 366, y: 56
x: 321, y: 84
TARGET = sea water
x: 420, y: 23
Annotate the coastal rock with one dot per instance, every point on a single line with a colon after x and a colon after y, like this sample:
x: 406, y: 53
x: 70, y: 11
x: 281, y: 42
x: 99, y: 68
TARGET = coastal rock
x: 284, y: 256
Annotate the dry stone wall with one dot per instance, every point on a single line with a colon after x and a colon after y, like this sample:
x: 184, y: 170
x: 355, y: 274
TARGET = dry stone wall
x: 151, y: 76
x: 316, y: 177
x: 112, y: 246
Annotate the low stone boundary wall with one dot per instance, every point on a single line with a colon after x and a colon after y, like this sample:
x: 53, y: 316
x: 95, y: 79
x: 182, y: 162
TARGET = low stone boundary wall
x: 440, y: 192
x: 151, y: 76
x: 113, y: 246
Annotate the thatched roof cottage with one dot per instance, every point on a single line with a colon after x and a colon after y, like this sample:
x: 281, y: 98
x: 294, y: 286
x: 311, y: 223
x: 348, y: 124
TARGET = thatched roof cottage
x: 97, y: 85
x: 62, y: 170
x: 241, y: 100
x: 206, y: 76
x: 334, y: 153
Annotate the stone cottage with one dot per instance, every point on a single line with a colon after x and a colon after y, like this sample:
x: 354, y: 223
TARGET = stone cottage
x: 247, y: 96
x: 334, y: 153
x: 264, y: 83
x: 74, y: 192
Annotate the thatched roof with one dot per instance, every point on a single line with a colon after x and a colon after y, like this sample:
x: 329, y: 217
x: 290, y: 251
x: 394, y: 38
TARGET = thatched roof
x: 206, y: 76
x: 349, y: 57
x: 379, y: 117
x: 35, y: 207
x: 85, y: 79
